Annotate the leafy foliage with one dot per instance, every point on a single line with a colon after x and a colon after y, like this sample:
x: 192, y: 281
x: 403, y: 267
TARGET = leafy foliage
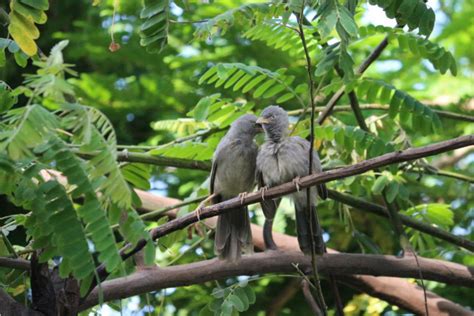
x: 282, y: 37
x: 265, y: 83
x: 154, y: 29
x: 25, y: 128
x: 414, y: 13
x: 95, y: 134
x: 30, y: 133
x: 231, y: 300
x: 441, y: 59
x: 157, y: 102
x: 23, y: 16
x: 20, y: 57
x: 254, y: 12
x: 220, y: 112
x: 410, y: 111
x: 7, y: 99
x: 91, y: 211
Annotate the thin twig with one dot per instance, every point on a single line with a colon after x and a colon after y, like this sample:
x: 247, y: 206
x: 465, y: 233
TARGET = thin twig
x: 309, y: 298
x: 310, y: 167
x: 379, y: 210
x: 362, y: 68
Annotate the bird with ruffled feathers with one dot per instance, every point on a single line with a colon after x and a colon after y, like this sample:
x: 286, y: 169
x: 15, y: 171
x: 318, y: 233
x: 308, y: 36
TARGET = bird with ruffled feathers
x: 283, y: 158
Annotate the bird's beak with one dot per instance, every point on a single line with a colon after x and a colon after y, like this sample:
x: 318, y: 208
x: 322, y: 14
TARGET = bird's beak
x: 262, y: 120
x: 258, y: 128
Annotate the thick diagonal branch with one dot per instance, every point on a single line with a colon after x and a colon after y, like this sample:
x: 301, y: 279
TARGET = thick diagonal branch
x: 290, y: 187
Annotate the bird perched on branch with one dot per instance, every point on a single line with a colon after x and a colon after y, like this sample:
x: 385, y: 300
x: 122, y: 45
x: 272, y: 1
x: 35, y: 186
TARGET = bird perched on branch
x: 233, y: 172
x: 283, y: 159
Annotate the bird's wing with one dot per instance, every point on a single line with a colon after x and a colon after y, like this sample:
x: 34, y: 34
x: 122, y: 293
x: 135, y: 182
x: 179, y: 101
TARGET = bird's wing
x: 213, y: 176
x: 223, y: 151
x: 305, y: 145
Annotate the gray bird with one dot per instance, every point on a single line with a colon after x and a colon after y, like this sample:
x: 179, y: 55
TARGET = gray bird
x: 283, y: 159
x: 233, y: 172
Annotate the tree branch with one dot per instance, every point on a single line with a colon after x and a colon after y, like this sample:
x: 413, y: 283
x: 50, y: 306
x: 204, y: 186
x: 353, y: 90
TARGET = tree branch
x: 279, y: 262
x: 17, y: 263
x: 290, y: 187
x: 395, y: 291
x: 357, y: 111
x: 156, y: 160
x: 309, y: 298
x: 408, y: 221
x: 8, y: 306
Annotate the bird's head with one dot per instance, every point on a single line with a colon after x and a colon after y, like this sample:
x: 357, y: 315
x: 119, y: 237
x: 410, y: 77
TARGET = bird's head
x: 274, y: 121
x: 246, y: 125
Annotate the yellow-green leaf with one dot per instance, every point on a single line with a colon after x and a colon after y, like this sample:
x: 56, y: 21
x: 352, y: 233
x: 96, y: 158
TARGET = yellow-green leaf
x: 27, y: 26
x: 27, y: 45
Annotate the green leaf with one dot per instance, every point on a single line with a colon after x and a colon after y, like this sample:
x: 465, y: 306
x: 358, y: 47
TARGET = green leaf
x: 7, y: 100
x: 236, y: 302
x: 21, y: 59
x: 226, y: 308
x: 154, y: 29
x: 379, y: 184
x: 392, y: 191
x: 201, y: 110
x: 242, y: 295
x: 37, y: 15
x: 250, y: 294
x: 347, y: 21
x: 427, y: 22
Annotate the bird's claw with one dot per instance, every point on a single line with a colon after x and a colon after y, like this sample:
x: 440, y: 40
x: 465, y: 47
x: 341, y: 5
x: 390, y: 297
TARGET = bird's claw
x: 198, y: 213
x: 263, y: 190
x: 202, y: 204
x: 242, y: 197
x: 297, y: 182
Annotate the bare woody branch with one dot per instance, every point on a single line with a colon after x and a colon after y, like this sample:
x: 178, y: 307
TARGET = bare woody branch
x: 290, y: 187
x: 147, y: 280
x: 394, y: 290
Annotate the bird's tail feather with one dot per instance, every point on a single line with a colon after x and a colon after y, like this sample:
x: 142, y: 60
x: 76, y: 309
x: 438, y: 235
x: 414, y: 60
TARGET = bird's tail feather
x: 303, y: 230
x: 233, y: 234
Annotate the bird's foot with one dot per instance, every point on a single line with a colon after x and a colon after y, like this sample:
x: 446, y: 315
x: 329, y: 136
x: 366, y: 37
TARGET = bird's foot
x: 297, y: 182
x: 202, y: 205
x: 242, y: 197
x: 262, y: 191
